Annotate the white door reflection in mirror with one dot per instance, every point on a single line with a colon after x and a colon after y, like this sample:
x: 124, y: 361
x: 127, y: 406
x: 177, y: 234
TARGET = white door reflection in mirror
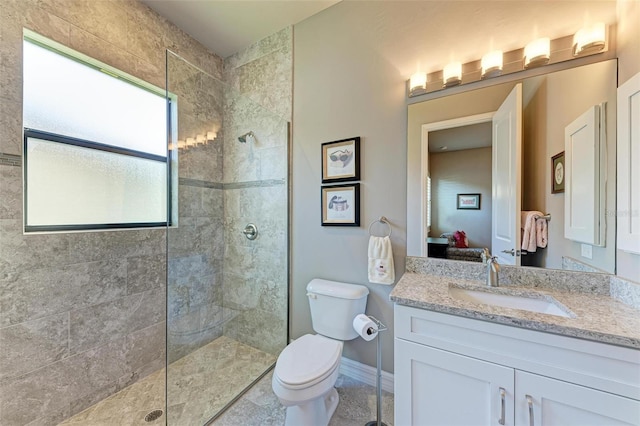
x: 434, y: 135
x: 506, y: 180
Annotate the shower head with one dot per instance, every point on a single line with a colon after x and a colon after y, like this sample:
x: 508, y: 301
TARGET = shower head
x: 244, y: 137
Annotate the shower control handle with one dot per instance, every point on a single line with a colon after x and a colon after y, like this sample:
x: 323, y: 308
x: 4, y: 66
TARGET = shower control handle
x: 250, y: 231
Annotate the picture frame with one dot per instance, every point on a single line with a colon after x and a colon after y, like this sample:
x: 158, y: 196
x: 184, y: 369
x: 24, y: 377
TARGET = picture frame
x: 468, y: 202
x: 340, y: 205
x: 557, y: 173
x: 341, y: 160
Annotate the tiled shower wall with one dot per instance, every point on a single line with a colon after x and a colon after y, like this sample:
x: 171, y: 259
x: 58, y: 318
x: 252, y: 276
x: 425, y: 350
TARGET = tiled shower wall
x: 255, y: 285
x: 195, y: 246
x: 82, y: 314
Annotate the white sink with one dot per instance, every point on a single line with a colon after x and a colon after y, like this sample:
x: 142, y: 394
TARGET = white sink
x: 532, y: 304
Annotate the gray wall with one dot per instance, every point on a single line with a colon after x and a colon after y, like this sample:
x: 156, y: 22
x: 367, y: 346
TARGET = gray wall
x: 344, y: 88
x: 81, y: 314
x: 461, y: 172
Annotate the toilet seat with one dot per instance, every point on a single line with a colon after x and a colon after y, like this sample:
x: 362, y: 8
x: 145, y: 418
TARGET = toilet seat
x: 307, y: 361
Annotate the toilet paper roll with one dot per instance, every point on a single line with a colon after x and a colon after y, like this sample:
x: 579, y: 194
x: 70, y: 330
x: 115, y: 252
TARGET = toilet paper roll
x: 366, y: 328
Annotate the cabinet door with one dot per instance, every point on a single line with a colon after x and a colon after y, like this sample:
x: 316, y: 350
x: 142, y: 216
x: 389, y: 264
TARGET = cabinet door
x: 628, y: 225
x: 543, y: 401
x: 435, y: 387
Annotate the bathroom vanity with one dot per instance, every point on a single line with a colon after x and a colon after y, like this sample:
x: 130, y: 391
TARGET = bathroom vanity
x: 568, y: 355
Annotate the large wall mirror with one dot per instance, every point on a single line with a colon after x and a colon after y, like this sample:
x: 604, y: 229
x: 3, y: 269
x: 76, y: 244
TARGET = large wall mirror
x: 479, y: 161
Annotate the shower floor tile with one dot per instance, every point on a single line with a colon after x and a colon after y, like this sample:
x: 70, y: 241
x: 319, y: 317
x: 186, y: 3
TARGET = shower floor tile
x: 200, y: 384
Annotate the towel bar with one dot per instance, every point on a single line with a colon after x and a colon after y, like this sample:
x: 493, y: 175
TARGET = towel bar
x: 381, y: 220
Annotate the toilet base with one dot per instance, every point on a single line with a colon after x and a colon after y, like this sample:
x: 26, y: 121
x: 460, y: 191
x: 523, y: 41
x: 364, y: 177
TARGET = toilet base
x: 317, y: 412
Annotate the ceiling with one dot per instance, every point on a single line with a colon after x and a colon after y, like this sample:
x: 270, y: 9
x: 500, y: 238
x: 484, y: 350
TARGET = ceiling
x: 459, y: 138
x: 414, y: 35
x: 229, y: 26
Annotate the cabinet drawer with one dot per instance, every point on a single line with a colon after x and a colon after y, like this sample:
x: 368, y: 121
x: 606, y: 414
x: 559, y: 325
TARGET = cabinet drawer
x: 609, y: 368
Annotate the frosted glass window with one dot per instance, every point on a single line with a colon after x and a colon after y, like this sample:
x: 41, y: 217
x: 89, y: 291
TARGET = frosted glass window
x: 71, y: 185
x: 67, y: 97
x: 95, y: 153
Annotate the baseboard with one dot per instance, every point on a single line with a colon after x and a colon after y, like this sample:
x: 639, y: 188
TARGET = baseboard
x: 365, y: 373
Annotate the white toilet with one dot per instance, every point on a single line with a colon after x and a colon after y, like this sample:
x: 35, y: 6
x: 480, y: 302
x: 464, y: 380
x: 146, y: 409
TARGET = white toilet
x: 307, y: 369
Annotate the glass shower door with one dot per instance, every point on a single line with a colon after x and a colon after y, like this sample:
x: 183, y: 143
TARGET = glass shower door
x: 227, y: 292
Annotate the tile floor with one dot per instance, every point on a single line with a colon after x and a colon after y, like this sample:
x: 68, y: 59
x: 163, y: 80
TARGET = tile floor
x: 221, y: 369
x: 260, y: 407
x: 195, y: 378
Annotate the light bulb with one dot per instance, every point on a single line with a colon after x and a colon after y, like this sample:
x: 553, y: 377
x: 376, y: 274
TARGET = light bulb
x: 418, y: 81
x: 589, y: 39
x: 492, y: 64
x: 452, y: 74
x: 537, y: 52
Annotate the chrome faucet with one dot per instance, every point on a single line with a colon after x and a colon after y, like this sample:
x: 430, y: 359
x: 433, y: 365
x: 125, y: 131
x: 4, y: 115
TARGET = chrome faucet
x: 493, y: 267
x: 486, y: 255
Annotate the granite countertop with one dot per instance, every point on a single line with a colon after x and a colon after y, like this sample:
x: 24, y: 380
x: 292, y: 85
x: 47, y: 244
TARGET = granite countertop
x: 594, y: 317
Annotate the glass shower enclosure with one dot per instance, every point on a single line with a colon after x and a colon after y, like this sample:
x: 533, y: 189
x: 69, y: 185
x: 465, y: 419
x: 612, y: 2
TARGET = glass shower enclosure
x: 227, y: 243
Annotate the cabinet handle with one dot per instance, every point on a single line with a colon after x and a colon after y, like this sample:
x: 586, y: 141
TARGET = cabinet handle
x: 503, y: 393
x: 530, y: 403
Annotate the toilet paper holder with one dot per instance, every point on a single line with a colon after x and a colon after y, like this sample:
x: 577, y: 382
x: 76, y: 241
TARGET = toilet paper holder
x: 379, y: 324
x: 370, y: 331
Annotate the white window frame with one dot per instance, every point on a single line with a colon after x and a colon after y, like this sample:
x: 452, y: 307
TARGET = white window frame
x: 62, y: 50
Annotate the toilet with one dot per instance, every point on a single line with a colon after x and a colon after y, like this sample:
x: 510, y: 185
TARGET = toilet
x: 307, y: 369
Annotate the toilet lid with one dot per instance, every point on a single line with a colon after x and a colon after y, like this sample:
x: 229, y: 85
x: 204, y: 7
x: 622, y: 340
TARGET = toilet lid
x: 308, y: 359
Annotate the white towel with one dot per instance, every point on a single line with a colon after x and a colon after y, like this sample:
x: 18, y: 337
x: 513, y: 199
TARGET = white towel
x: 381, y: 269
x: 534, y: 231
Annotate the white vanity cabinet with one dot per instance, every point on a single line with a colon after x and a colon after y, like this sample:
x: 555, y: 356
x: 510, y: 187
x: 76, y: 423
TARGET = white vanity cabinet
x: 435, y: 387
x: 451, y: 370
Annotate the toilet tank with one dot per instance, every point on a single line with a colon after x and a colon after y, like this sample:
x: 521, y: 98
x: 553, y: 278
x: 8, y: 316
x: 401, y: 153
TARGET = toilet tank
x: 334, y: 305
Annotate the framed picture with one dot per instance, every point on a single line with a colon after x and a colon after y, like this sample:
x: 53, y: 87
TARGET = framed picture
x: 341, y: 205
x: 557, y: 173
x: 341, y: 160
x: 468, y: 201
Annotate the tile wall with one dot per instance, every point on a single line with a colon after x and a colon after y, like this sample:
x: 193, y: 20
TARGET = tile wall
x: 82, y: 315
x: 255, y: 289
x: 195, y: 246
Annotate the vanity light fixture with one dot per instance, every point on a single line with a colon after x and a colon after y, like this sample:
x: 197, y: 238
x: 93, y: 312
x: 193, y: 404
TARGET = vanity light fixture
x: 452, y: 74
x: 200, y: 140
x: 211, y: 136
x: 418, y: 82
x: 537, y: 52
x: 492, y: 64
x: 190, y: 142
x: 181, y: 144
x: 589, y: 39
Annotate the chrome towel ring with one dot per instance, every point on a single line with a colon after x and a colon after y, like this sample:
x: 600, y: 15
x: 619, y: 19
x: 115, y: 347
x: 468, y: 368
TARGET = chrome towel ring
x: 382, y: 220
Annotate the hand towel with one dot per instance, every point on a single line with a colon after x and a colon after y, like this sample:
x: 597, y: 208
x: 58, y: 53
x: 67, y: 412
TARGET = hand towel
x: 528, y: 224
x: 542, y: 233
x: 381, y: 269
